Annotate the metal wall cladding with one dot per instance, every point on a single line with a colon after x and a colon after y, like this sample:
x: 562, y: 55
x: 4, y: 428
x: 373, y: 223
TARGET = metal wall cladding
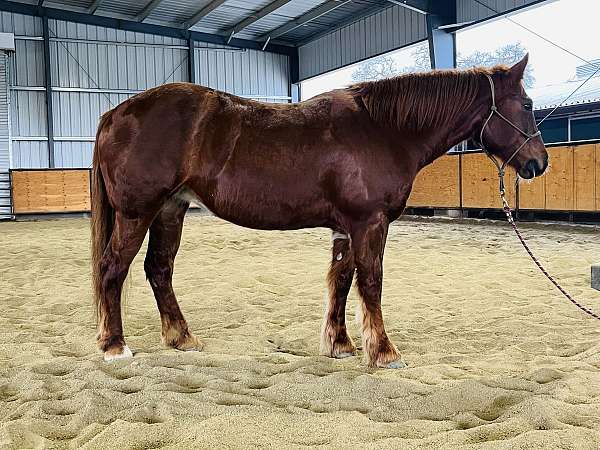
x: 384, y: 31
x: 83, y: 57
x: 27, y: 107
x: 29, y: 154
x: 469, y: 10
x: 19, y: 24
x: 28, y: 113
x: 27, y: 63
x: 4, y: 121
x: 247, y: 73
x: 88, y: 60
x: 73, y: 154
x: 87, y: 56
x: 76, y: 114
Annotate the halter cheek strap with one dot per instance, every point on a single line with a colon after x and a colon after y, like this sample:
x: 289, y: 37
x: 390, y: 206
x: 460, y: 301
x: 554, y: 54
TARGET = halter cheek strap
x: 494, y: 111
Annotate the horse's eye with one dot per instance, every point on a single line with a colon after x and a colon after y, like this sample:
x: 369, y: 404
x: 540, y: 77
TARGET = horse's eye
x: 528, y: 106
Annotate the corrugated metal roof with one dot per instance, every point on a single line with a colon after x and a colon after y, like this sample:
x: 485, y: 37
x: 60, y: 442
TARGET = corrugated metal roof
x: 230, y: 13
x: 552, y: 95
x: 128, y: 8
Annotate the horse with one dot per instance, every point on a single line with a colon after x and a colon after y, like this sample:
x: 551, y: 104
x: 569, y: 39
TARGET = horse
x: 345, y: 160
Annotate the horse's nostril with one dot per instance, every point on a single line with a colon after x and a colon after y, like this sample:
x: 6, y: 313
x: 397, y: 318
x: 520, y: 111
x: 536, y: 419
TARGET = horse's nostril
x: 533, y: 167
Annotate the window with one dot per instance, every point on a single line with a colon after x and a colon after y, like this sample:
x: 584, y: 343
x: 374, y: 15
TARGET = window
x: 414, y: 58
x: 585, y: 128
x: 555, y: 130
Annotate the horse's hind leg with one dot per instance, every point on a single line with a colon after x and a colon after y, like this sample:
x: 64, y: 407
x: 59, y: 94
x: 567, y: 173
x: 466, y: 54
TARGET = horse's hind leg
x: 126, y: 240
x: 335, y: 341
x: 165, y: 236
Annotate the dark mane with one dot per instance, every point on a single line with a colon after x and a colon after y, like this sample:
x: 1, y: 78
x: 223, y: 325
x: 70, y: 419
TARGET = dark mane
x: 419, y: 101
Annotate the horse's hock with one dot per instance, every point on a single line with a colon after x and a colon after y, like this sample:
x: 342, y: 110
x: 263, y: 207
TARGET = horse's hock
x: 596, y: 276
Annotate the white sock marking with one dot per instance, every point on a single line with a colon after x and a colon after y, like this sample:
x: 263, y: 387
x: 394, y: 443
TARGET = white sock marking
x: 125, y: 354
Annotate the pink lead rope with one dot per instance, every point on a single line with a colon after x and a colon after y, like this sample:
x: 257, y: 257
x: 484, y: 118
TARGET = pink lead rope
x: 509, y: 216
x: 501, y: 170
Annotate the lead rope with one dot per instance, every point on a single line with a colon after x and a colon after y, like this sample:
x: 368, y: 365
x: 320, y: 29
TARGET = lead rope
x: 506, y: 207
x: 511, y: 220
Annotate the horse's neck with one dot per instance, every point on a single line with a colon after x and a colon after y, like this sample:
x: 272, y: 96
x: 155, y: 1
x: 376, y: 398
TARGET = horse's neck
x: 440, y: 141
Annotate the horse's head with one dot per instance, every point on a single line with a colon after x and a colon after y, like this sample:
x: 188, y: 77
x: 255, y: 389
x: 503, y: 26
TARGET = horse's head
x: 514, y: 128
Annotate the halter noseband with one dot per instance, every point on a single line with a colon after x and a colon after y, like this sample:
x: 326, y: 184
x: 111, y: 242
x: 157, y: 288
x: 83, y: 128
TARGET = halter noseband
x: 494, y: 110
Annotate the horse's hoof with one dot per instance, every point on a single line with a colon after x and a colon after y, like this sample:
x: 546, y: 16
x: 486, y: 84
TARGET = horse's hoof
x: 344, y: 355
x: 398, y: 364
x: 116, y: 353
x: 190, y: 344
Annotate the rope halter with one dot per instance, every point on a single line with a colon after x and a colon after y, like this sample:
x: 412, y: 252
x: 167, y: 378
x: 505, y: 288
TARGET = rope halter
x: 528, y: 137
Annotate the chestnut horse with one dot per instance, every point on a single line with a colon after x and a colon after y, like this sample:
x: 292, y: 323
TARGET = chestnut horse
x: 345, y: 160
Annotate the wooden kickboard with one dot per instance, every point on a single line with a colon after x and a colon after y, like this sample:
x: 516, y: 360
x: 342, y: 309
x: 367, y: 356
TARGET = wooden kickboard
x: 50, y: 191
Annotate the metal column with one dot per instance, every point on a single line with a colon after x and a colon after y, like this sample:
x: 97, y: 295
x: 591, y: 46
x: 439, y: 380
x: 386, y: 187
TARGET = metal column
x: 294, y: 65
x: 442, y: 43
x: 48, y: 86
x: 192, y: 60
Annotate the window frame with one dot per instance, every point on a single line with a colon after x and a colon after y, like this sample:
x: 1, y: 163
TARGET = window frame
x: 582, y: 117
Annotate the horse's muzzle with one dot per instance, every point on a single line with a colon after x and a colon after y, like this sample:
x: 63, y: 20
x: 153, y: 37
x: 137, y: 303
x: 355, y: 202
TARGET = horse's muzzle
x: 532, y: 168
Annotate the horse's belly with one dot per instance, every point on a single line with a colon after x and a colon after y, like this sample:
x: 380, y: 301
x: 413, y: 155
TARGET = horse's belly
x: 264, y: 207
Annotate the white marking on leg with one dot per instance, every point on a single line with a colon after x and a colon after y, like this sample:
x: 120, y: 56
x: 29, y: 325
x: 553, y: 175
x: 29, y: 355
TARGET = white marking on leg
x: 326, y: 345
x: 126, y: 353
x: 358, y: 314
x: 396, y: 365
x: 368, y: 333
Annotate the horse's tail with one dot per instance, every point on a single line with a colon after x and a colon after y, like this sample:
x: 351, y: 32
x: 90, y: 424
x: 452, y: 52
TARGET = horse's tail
x: 103, y: 216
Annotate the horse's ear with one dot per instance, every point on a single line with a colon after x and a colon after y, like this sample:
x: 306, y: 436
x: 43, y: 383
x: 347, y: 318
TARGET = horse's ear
x: 518, y: 70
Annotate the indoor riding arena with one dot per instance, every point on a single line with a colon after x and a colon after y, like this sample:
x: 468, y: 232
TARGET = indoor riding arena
x: 478, y: 326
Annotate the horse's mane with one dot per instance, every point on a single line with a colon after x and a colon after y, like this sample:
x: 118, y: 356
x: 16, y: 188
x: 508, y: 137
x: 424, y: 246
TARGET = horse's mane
x: 419, y: 101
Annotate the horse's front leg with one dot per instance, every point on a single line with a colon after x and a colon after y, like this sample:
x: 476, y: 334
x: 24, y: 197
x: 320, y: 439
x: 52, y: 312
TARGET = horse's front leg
x: 335, y: 341
x: 368, y: 242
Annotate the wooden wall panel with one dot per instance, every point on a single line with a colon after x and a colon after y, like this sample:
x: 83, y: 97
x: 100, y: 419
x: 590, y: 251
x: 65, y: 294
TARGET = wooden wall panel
x: 480, y: 188
x: 46, y: 191
x: 437, y: 185
x: 598, y: 177
x: 559, y: 180
x: 532, y: 193
x: 584, y: 177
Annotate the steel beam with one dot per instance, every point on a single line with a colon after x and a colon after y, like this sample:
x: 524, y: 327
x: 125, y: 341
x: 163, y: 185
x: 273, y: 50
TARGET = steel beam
x: 254, y: 17
x: 420, y: 6
x: 202, y: 13
x: 304, y: 19
x: 129, y: 25
x: 192, y: 60
x: 144, y: 13
x: 48, y: 87
x: 442, y: 43
x: 94, y: 7
x: 295, y: 67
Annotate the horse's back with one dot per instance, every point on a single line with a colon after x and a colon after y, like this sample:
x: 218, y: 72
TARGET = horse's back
x: 255, y: 164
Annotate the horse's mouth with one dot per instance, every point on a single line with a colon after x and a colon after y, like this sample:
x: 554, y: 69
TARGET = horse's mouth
x: 527, y: 174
